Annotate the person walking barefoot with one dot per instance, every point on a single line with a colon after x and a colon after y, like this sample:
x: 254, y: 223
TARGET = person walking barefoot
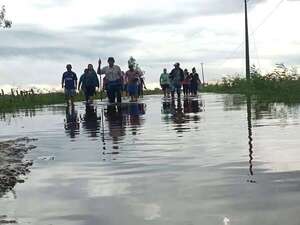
x: 132, y: 77
x: 113, y: 80
x: 165, y: 82
x: 69, y: 83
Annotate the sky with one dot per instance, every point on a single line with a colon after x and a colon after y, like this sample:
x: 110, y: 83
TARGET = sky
x: 48, y: 34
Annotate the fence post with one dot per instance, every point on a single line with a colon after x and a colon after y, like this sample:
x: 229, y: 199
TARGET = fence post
x: 2, y: 92
x: 12, y: 92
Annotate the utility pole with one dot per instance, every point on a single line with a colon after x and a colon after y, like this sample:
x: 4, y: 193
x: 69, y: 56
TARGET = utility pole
x: 247, y: 43
x: 202, y: 74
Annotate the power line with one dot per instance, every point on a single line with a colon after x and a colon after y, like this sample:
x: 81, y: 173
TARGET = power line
x: 254, y: 31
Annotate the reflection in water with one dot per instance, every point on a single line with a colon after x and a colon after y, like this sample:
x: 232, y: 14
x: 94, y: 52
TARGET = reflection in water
x: 179, y: 116
x: 7, y: 117
x: 71, y: 122
x: 118, y: 118
x: 91, y: 120
x: 160, y: 178
x: 250, y: 138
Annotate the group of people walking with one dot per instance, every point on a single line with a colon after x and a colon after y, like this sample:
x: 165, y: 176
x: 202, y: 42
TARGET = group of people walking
x: 115, y: 82
x: 131, y: 83
x: 177, y: 79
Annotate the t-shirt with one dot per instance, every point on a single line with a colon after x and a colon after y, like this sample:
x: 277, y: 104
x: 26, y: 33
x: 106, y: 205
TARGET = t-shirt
x: 195, y: 78
x: 69, y: 79
x: 176, y: 76
x: 164, y: 79
x: 187, y: 79
x: 91, y: 79
x: 132, y: 77
x: 112, y: 73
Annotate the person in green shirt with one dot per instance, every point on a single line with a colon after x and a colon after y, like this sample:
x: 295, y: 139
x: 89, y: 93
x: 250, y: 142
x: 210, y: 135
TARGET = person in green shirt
x: 165, y: 82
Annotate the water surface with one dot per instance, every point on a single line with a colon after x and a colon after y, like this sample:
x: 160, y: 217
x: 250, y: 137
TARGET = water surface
x: 187, y: 163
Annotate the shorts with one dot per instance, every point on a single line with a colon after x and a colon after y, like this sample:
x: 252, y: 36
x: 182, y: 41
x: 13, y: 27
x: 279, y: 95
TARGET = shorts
x: 90, y: 91
x: 165, y: 87
x: 133, y: 89
x: 70, y: 92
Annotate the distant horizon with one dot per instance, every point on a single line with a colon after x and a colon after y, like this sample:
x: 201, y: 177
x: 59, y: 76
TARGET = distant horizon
x: 35, y: 52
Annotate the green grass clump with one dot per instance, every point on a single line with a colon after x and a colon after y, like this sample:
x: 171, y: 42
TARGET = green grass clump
x: 9, y: 103
x: 285, y: 88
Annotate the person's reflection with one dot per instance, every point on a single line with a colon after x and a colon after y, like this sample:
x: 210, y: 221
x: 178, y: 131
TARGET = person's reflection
x: 250, y: 141
x: 192, y: 106
x: 134, y: 113
x: 182, y: 114
x: 71, y: 122
x: 91, y: 121
x: 116, y: 124
x: 178, y: 116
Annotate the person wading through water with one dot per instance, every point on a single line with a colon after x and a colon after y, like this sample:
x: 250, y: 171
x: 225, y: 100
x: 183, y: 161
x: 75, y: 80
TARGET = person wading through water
x: 165, y: 82
x: 69, y: 83
x: 113, y: 80
x: 195, y: 82
x: 186, y: 83
x: 132, y: 77
x: 89, y: 82
x: 176, y: 78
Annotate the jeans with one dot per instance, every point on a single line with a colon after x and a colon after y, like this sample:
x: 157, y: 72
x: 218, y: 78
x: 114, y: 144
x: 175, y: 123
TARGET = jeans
x: 175, y: 88
x: 114, y: 89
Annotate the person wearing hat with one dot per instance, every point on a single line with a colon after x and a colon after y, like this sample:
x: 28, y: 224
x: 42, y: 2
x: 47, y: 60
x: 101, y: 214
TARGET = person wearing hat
x: 132, y: 77
x: 176, y: 78
x: 113, y: 80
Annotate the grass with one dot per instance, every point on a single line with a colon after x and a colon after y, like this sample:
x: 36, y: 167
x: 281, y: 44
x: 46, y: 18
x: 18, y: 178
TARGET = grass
x: 275, y: 87
x: 9, y: 103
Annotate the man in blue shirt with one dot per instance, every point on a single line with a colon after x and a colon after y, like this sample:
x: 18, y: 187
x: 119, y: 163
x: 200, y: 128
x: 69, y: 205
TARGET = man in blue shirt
x: 69, y: 83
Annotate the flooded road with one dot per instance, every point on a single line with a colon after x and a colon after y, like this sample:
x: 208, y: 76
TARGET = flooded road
x: 219, y: 159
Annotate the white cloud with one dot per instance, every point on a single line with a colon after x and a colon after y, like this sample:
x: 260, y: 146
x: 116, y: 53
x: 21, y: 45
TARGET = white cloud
x: 47, y: 35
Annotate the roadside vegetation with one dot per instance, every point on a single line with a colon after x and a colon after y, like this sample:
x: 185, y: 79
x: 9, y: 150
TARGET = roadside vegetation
x: 30, y: 99
x: 282, y: 84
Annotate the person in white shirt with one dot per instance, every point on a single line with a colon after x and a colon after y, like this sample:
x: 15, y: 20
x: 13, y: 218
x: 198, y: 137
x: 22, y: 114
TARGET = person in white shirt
x: 113, y: 80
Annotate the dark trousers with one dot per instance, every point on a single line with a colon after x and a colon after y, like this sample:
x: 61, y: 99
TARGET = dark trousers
x: 186, y: 89
x: 113, y: 92
x: 176, y: 88
x: 194, y: 88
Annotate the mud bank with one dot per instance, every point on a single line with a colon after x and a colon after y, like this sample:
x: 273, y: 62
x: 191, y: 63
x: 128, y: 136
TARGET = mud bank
x: 13, y: 166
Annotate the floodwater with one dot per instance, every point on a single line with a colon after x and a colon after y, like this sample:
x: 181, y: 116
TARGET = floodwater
x: 221, y: 159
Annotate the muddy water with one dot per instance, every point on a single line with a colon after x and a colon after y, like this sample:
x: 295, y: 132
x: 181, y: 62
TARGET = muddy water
x: 217, y: 160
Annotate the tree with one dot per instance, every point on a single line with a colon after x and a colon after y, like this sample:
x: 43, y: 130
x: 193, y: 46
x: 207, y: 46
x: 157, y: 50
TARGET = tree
x: 4, y: 23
